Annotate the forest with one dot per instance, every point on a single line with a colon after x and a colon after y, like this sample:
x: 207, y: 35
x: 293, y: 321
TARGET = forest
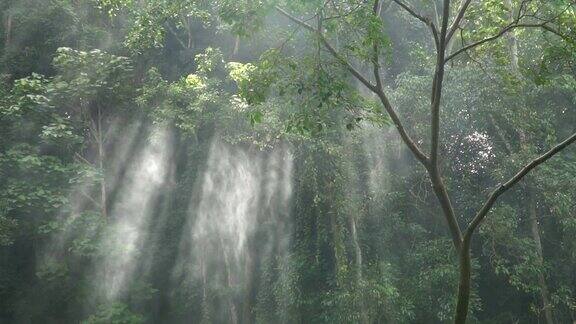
x: 287, y: 161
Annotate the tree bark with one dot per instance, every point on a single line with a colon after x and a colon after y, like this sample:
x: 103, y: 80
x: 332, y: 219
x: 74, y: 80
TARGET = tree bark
x: 464, y: 284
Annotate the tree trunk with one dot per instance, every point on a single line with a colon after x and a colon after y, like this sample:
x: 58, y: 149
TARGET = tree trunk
x: 464, y: 286
x: 188, y: 27
x: 535, y: 229
x: 101, y: 157
x: 357, y: 249
x: 230, y: 283
x: 205, y: 302
x: 249, y: 270
x: 8, y: 38
x: 512, y: 41
x: 358, y: 265
x: 533, y: 208
x: 236, y: 46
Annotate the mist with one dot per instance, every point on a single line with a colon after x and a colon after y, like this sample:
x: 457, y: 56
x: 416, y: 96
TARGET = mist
x: 280, y: 162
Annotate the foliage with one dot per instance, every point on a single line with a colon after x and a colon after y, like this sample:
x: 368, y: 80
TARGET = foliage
x: 115, y: 314
x: 85, y: 84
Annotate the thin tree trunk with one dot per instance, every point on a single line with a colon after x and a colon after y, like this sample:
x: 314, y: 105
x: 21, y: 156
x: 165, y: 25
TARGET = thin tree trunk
x: 357, y: 249
x: 358, y: 266
x: 535, y: 229
x: 533, y: 208
x: 512, y: 40
x: 8, y: 38
x: 189, y: 33
x: 230, y: 282
x: 205, y: 302
x: 249, y: 270
x: 101, y: 158
x: 464, y: 285
x: 236, y: 46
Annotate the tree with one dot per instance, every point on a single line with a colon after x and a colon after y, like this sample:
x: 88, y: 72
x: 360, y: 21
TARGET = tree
x: 333, y: 23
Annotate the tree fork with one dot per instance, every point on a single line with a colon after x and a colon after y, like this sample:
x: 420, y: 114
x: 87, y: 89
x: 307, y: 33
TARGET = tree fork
x: 465, y: 257
x: 462, y: 244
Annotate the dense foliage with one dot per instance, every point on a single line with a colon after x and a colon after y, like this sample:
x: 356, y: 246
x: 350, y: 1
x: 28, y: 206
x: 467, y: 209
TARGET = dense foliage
x: 98, y: 96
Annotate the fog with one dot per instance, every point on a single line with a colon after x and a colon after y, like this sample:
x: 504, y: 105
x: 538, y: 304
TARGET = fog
x: 281, y: 162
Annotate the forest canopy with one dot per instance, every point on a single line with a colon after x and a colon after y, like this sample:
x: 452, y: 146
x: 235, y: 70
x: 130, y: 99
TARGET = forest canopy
x: 288, y: 161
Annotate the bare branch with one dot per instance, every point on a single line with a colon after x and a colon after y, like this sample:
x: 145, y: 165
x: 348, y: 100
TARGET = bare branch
x: 543, y: 25
x: 82, y: 159
x: 427, y: 21
x: 413, y: 12
x: 481, y: 215
x: 414, y: 148
x: 558, y: 33
x: 456, y: 23
x: 87, y: 196
x: 175, y: 34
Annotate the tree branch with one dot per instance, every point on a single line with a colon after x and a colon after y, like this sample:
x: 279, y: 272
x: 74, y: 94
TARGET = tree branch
x: 413, y: 12
x: 377, y: 90
x: 384, y: 99
x: 458, y: 19
x: 557, y: 33
x: 481, y: 215
x: 376, y: 57
x: 433, y: 169
x: 176, y: 36
x: 330, y: 48
x: 437, y: 85
x: 505, y: 30
x: 427, y: 21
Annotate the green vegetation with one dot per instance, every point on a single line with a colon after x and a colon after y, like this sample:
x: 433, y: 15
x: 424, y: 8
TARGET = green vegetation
x: 283, y: 161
